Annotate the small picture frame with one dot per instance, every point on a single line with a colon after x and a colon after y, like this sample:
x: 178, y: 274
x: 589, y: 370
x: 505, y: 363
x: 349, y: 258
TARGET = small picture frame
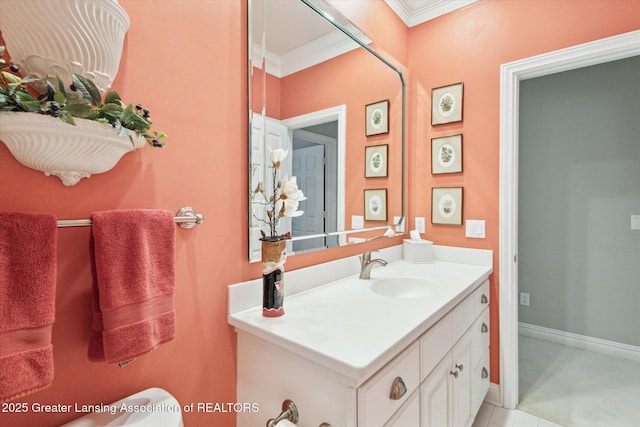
x: 446, y: 205
x: 446, y: 104
x: 446, y: 154
x: 377, y: 118
x: 375, y: 205
x: 375, y: 161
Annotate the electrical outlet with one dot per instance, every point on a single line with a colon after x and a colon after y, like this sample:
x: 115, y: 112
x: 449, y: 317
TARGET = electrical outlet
x: 524, y: 299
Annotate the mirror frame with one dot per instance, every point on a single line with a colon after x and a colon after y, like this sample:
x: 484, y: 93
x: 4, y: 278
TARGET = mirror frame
x: 327, y: 12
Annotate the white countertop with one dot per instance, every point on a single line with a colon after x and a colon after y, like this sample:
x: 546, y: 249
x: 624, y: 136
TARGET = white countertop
x: 354, y: 331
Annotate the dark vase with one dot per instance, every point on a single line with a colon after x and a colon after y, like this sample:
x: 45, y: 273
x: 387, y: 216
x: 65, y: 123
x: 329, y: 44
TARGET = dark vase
x: 274, y: 256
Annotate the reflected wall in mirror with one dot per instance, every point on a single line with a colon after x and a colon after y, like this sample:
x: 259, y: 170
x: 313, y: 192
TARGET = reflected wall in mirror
x: 310, y: 79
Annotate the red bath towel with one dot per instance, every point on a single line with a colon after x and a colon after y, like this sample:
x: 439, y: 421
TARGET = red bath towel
x: 133, y: 271
x: 27, y: 302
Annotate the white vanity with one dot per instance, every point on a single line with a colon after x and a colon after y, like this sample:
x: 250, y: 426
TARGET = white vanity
x: 409, y: 347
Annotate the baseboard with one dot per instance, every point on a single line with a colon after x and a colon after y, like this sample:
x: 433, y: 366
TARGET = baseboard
x: 597, y: 345
x: 493, y: 395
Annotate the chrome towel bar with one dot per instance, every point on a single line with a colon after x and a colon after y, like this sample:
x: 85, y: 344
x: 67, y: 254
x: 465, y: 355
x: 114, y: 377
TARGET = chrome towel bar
x: 187, y: 217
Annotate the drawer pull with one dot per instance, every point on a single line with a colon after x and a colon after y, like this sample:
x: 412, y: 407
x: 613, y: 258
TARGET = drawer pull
x: 325, y: 425
x: 485, y: 373
x: 460, y: 366
x: 454, y: 373
x: 484, y: 299
x: 484, y: 328
x: 398, y: 389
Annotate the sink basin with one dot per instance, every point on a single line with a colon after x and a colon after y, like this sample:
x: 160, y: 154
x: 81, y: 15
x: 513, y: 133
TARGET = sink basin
x: 404, y: 287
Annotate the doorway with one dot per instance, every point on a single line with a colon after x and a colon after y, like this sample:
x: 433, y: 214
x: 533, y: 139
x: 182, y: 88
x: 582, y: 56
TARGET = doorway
x: 315, y: 159
x: 316, y: 135
x: 605, y: 50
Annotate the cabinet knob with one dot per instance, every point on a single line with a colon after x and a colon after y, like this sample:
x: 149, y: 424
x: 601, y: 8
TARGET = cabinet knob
x: 485, y: 373
x: 460, y: 366
x: 484, y: 328
x: 484, y: 299
x: 454, y: 373
x: 398, y: 389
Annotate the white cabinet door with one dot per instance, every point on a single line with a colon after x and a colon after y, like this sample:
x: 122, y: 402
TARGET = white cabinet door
x: 408, y: 415
x: 445, y: 395
x: 461, y: 382
x: 435, y: 396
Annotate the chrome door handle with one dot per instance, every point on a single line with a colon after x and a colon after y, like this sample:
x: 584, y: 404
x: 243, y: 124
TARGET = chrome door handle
x: 484, y: 328
x: 398, y: 389
x: 460, y: 366
x: 485, y: 373
x: 454, y: 373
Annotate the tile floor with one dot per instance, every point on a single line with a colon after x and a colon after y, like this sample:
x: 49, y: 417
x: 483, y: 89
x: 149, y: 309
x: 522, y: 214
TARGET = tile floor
x: 495, y: 416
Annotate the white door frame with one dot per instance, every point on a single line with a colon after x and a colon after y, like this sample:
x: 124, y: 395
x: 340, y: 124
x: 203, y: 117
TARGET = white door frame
x: 605, y: 50
x: 338, y: 114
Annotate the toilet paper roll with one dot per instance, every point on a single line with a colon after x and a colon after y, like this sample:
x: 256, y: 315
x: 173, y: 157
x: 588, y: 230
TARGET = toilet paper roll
x: 285, y: 423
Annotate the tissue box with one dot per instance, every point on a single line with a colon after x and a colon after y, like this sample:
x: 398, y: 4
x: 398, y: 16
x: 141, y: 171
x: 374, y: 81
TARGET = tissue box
x: 417, y: 251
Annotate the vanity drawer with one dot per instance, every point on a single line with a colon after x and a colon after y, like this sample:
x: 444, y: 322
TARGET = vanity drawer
x: 463, y: 316
x: 481, y: 298
x: 435, y: 344
x: 480, y: 383
x: 375, y: 404
x: 469, y: 309
x: 480, y: 337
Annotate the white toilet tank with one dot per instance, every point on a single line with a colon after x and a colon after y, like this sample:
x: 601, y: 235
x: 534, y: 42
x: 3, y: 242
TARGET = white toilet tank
x: 153, y: 407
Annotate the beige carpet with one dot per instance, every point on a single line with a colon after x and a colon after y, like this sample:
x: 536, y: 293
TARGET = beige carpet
x: 578, y: 388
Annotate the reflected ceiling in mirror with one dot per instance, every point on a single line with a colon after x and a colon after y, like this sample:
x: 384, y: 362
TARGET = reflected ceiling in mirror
x: 310, y: 81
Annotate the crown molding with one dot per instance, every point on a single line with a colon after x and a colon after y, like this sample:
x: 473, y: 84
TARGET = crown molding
x: 317, y: 51
x: 416, y: 12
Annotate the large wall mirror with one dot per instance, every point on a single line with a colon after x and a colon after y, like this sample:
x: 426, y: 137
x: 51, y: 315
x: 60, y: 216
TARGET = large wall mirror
x: 320, y: 90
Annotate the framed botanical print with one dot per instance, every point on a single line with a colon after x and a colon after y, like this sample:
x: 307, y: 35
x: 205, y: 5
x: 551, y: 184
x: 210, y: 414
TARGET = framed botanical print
x: 446, y: 205
x: 446, y: 104
x: 377, y: 118
x: 446, y: 154
x: 375, y: 205
x: 375, y: 158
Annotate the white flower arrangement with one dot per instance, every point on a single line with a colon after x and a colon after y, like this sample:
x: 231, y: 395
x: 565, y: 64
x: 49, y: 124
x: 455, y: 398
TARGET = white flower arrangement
x: 284, y: 201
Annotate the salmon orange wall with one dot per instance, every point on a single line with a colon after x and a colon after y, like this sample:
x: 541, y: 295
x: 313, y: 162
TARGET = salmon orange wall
x: 354, y: 79
x: 469, y: 46
x: 185, y: 61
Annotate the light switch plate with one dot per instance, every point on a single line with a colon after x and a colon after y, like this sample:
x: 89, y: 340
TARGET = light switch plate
x: 635, y: 222
x: 357, y: 221
x: 400, y: 227
x: 420, y: 224
x: 475, y: 228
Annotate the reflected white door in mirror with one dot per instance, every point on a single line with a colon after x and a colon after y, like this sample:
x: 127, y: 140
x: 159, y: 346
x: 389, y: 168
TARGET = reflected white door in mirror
x: 316, y: 142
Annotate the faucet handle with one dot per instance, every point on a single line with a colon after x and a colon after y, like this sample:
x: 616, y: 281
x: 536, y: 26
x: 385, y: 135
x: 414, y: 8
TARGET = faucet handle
x: 366, y: 256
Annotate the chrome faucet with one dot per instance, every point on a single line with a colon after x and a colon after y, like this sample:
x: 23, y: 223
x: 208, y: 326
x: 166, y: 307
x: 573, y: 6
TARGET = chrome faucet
x: 366, y: 263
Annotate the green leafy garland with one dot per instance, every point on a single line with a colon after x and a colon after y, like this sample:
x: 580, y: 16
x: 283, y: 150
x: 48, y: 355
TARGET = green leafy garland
x: 82, y: 101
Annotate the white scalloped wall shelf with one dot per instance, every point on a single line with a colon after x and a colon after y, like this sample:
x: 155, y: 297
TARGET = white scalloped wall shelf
x: 57, y: 148
x: 63, y: 37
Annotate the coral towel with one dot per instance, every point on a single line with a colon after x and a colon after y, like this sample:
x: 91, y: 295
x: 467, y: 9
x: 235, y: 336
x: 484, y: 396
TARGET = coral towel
x: 27, y: 302
x: 132, y: 264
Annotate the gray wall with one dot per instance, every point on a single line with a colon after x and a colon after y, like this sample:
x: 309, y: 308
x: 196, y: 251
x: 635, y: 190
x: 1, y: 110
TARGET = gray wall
x: 579, y: 183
